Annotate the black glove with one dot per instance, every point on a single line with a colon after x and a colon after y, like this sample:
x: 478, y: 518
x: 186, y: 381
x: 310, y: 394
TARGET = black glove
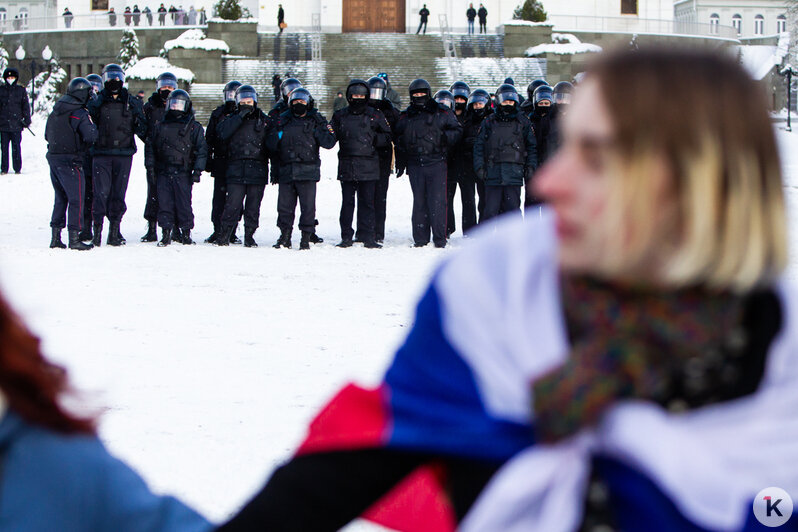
x: 196, y: 176
x: 319, y: 118
x: 481, y: 174
x: 245, y: 111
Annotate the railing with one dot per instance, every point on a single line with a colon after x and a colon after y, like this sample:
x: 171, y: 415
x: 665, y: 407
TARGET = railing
x: 97, y: 20
x: 564, y: 23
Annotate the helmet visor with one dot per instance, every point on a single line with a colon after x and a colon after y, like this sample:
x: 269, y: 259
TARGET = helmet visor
x: 445, y: 100
x: 166, y: 83
x: 178, y: 104
x: 96, y: 85
x: 377, y: 93
x: 240, y: 95
x: 507, y: 96
x: 562, y: 98
x: 230, y: 96
x: 113, y: 75
x: 288, y: 88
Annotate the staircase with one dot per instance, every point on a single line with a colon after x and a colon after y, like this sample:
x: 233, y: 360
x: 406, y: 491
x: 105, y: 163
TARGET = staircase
x: 479, y: 61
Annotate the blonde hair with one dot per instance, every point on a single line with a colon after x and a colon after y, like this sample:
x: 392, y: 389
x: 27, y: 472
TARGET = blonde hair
x: 700, y: 119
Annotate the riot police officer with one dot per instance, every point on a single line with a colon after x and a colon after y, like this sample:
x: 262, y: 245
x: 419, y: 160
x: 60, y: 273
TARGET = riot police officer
x: 378, y: 98
x: 286, y: 87
x: 527, y: 106
x: 154, y: 111
x: 119, y: 118
x: 217, y: 157
x: 177, y: 155
x: 425, y: 132
x: 478, y: 109
x: 542, y: 120
x: 88, y: 195
x: 69, y: 133
x: 360, y: 130
x: 461, y: 166
x: 244, y: 133
x: 505, y: 154
x: 295, y: 140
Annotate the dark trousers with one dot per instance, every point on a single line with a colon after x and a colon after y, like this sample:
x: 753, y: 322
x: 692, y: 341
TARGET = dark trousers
x: 429, y: 202
x: 481, y: 201
x: 529, y: 198
x: 110, y: 175
x: 470, y: 26
x: 422, y: 23
x: 88, y: 195
x: 15, y: 138
x: 500, y: 199
x: 218, y: 201
x: 66, y: 174
x: 381, y: 198
x: 151, y: 210
x: 242, y: 198
x: 174, y: 201
x: 365, y: 209
x: 467, y: 199
x: 287, y: 196
x: 483, y: 26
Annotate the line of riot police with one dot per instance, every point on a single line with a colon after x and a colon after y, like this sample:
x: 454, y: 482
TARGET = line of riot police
x: 486, y: 144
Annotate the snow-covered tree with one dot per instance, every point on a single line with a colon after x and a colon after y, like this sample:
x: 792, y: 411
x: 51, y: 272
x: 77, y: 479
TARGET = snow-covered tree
x: 47, y: 87
x: 230, y: 10
x: 129, y: 49
x: 531, y: 10
x: 3, y: 56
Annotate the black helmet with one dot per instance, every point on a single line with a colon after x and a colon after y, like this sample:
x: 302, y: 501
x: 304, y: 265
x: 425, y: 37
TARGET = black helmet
x: 179, y: 101
x: 419, y: 85
x: 506, y: 92
x: 79, y: 89
x: 246, y: 91
x: 445, y: 97
x: 167, y: 79
x: 544, y: 92
x: 530, y: 90
x: 301, y: 93
x: 113, y: 72
x: 479, y: 95
x: 509, y: 81
x: 357, y: 86
x: 377, y: 88
x: 96, y: 82
x: 229, y: 91
x: 287, y: 86
x: 460, y: 88
x: 562, y: 93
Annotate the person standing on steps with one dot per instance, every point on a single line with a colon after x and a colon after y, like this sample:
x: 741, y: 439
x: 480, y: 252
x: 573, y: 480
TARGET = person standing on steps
x: 471, y: 14
x: 69, y: 133
x: 424, y: 14
x: 244, y: 134
x: 296, y: 139
x: 281, y: 18
x: 154, y: 111
x: 483, y: 19
x: 119, y: 119
x: 14, y: 117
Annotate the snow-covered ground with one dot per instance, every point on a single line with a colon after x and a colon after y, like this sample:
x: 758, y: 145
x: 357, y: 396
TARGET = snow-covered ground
x: 209, y: 362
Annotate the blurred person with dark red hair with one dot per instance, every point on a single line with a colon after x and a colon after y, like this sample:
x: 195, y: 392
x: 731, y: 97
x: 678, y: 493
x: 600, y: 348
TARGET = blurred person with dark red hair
x: 55, y: 473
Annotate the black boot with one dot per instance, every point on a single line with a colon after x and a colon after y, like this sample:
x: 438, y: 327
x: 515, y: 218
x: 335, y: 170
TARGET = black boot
x: 74, y: 241
x: 85, y: 234
x: 177, y: 235
x: 167, y: 238
x: 345, y: 243
x: 152, y: 232
x: 98, y: 234
x: 285, y: 239
x: 249, y: 240
x: 233, y: 237
x: 212, y: 239
x: 372, y: 245
x: 186, y: 237
x: 224, y: 236
x: 114, y: 238
x: 304, y: 243
x: 315, y: 239
x: 55, y: 240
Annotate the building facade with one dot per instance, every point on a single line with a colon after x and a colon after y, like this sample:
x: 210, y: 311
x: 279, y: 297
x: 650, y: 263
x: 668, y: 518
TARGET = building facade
x: 751, y: 18
x: 22, y: 11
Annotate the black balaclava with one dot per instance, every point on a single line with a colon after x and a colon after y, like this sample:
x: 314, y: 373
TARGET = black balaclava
x: 114, y: 85
x: 419, y: 101
x: 164, y: 94
x: 298, y: 108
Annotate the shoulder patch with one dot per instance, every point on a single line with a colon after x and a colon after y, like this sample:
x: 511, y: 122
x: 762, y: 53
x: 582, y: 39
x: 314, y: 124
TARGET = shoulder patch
x: 330, y: 129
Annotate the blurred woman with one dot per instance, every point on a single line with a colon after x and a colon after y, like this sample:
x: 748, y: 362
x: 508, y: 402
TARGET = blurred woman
x: 627, y: 361
x: 55, y: 474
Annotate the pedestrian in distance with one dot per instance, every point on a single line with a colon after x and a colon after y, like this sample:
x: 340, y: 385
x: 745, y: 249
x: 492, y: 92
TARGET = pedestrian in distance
x: 391, y: 93
x: 276, y: 82
x: 119, y: 119
x: 505, y: 154
x: 148, y: 13
x: 127, y: 15
x: 630, y: 349
x: 360, y: 131
x: 339, y: 102
x: 203, y: 16
x: 136, y: 15
x: 471, y: 14
x: 178, y: 155
x: 423, y: 14
x: 69, y: 133
x: 68, y: 16
x: 483, y: 19
x: 112, y: 17
x: 298, y: 135
x: 244, y: 134
x: 281, y: 19
x: 154, y: 111
x: 425, y: 133
x: 162, y: 15
x: 14, y: 117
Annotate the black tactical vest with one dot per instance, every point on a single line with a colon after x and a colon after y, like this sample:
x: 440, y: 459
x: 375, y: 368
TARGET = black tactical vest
x: 61, y: 138
x: 115, y: 125
x: 422, y: 136
x: 175, y: 148
x: 249, y: 140
x: 298, y: 144
x: 355, y: 135
x: 506, y: 142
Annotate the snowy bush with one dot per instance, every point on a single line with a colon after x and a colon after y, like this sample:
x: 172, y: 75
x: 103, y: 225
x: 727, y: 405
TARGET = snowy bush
x: 129, y: 49
x: 195, y: 40
x: 149, y: 68
x: 230, y: 10
x: 531, y: 10
x: 46, y: 87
